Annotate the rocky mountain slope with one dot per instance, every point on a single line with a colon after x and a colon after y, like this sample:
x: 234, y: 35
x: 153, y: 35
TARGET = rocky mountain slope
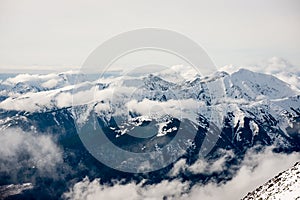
x: 283, y: 186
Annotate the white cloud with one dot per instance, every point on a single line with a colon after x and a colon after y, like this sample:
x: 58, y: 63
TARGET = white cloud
x: 256, y: 169
x: 178, y: 167
x: 203, y: 166
x: 50, y: 83
x: 20, y: 149
x: 186, y: 108
x: 64, y: 99
x: 89, y: 190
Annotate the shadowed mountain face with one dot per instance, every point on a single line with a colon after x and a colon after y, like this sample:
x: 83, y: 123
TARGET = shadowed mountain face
x: 243, y: 110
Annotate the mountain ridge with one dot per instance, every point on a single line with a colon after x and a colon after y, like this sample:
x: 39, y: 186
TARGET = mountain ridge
x: 285, y: 185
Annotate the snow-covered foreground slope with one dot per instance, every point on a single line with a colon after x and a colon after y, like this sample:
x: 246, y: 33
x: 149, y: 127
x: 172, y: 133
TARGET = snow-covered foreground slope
x: 284, y: 186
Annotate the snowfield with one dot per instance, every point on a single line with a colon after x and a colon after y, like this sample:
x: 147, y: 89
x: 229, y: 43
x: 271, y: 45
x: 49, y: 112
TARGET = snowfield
x: 284, y: 186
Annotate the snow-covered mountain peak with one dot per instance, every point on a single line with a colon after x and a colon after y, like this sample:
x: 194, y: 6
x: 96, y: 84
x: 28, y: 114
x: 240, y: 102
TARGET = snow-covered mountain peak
x: 252, y: 86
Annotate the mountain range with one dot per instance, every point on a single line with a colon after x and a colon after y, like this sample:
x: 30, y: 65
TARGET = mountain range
x: 142, y: 113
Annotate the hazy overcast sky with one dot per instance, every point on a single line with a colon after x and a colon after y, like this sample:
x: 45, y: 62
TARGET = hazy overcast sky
x: 64, y: 32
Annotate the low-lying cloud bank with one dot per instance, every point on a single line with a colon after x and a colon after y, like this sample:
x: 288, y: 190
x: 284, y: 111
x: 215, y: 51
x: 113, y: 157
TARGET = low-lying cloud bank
x: 255, y: 170
x: 21, y: 150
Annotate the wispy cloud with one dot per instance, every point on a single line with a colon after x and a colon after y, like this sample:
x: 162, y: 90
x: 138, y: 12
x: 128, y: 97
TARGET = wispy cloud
x: 21, y: 150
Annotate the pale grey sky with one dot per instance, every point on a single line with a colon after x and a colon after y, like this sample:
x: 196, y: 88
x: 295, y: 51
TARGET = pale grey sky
x: 64, y: 32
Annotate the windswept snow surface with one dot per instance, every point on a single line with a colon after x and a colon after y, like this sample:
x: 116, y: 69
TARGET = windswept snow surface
x: 284, y: 186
